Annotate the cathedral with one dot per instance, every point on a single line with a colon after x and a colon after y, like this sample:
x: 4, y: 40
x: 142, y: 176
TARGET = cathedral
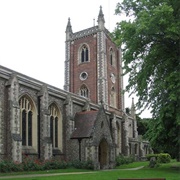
x: 85, y: 121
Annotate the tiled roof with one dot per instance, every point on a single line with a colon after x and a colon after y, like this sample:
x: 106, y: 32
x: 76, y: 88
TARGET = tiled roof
x: 84, y: 123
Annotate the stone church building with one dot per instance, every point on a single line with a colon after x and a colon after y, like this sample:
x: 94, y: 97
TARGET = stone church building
x: 85, y: 121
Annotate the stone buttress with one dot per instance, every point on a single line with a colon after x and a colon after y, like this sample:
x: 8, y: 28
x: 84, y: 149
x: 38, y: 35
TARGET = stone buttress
x: 45, y: 140
x: 13, y: 134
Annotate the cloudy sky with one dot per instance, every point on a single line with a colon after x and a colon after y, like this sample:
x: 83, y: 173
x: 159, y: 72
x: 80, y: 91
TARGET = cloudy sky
x: 32, y: 34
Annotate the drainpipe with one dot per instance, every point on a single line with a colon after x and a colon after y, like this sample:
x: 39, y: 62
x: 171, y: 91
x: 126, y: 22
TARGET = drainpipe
x: 79, y: 140
x: 39, y: 133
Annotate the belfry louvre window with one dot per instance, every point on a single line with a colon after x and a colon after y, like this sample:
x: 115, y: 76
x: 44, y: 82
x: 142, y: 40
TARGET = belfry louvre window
x: 112, y: 57
x: 84, y: 91
x: 84, y: 54
x: 26, y: 121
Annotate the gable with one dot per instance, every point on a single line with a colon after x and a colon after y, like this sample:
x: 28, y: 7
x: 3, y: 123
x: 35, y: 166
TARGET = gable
x: 102, y: 129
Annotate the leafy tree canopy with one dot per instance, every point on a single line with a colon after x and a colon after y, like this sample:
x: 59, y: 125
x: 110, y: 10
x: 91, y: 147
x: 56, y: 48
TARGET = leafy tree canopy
x: 142, y: 125
x: 151, y: 53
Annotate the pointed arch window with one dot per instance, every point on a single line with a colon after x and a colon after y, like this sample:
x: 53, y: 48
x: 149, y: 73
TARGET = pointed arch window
x: 55, y: 126
x: 84, y: 92
x: 24, y: 127
x: 30, y: 128
x: 84, y: 54
x: 28, y: 121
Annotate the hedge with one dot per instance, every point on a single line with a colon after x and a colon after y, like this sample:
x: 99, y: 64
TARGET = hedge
x: 36, y: 165
x: 161, y: 158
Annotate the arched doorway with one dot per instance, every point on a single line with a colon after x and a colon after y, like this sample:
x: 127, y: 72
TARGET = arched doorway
x: 103, y: 154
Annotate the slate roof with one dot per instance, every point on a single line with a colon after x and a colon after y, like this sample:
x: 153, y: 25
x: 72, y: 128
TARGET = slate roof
x: 84, y: 123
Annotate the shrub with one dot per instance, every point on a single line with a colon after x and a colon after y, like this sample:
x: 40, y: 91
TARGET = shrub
x: 63, y: 165
x: 31, y: 166
x: 82, y: 164
x: 36, y: 165
x: 124, y: 160
x: 9, y: 166
x: 16, y: 166
x: 54, y: 164
x: 149, y: 156
x: 4, y: 167
x: 161, y: 158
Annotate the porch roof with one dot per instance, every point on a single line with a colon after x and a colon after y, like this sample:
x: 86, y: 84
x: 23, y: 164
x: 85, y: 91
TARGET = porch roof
x: 84, y: 123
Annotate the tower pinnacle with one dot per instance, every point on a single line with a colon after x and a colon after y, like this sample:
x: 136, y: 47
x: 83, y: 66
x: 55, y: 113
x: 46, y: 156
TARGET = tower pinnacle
x: 133, y: 111
x: 68, y: 30
x: 101, y: 20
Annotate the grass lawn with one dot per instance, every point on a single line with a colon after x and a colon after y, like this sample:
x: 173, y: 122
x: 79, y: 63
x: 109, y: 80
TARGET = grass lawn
x: 133, y: 165
x: 163, y: 171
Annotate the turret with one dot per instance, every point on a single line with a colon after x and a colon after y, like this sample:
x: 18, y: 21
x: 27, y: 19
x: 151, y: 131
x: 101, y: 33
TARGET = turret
x: 133, y: 111
x: 68, y: 30
x: 101, y: 20
x: 133, y: 114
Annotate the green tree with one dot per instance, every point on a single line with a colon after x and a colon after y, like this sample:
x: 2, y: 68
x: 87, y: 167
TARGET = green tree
x: 142, y: 125
x: 150, y: 42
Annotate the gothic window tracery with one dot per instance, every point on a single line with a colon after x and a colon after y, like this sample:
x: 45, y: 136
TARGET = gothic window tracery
x: 84, y: 53
x: 84, y: 92
x: 28, y: 120
x: 55, y: 126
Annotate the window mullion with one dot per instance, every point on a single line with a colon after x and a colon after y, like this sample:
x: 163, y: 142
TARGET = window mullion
x: 26, y: 128
x: 53, y: 132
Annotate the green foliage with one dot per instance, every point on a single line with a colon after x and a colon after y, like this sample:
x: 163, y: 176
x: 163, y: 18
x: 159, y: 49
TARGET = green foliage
x: 149, y: 156
x: 54, y: 164
x: 121, y: 159
x: 169, y: 170
x: 135, y: 164
x: 36, y: 165
x: 83, y: 164
x: 156, y: 159
x: 164, y: 158
x: 150, y: 43
x: 8, y: 166
x: 31, y: 165
x: 142, y: 125
x: 161, y: 158
x: 163, y: 135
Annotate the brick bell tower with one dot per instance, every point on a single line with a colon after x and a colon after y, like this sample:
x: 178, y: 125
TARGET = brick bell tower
x: 93, y: 65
